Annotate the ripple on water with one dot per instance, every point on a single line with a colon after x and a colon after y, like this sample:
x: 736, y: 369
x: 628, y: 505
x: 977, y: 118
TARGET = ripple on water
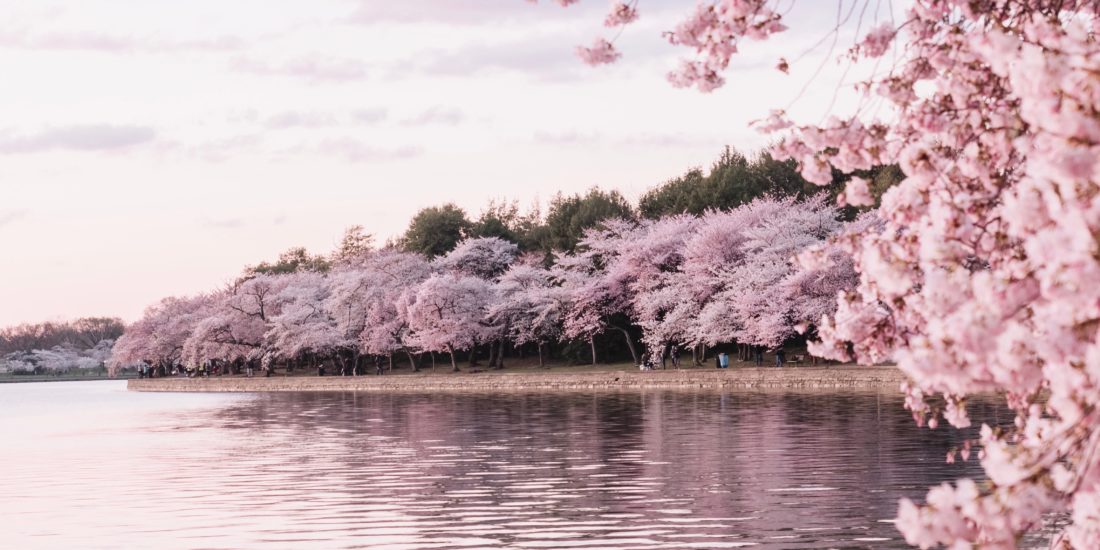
x: 104, y: 468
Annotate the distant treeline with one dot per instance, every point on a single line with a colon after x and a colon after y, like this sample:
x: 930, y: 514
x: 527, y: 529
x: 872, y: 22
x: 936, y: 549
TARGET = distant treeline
x: 733, y: 180
x: 83, y: 333
x: 57, y: 347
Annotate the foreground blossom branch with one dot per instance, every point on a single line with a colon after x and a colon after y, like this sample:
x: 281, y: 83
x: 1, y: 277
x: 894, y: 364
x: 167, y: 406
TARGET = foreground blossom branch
x: 983, y: 275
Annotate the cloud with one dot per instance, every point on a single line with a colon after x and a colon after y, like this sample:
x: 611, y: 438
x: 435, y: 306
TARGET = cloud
x: 449, y: 116
x: 550, y: 59
x: 482, y: 12
x: 223, y: 223
x: 299, y: 119
x: 101, y: 42
x: 11, y: 216
x: 311, y: 67
x: 316, y: 119
x: 668, y: 140
x: 357, y: 151
x: 93, y: 137
x: 571, y: 137
x: 370, y: 116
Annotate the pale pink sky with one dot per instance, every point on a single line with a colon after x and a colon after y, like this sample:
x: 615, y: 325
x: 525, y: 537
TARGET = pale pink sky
x: 151, y: 148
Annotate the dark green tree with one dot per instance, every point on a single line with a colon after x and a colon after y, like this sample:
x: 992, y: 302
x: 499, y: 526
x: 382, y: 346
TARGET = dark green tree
x: 354, y: 245
x: 735, y: 179
x: 291, y: 261
x: 569, y: 216
x: 436, y: 230
x: 498, y: 219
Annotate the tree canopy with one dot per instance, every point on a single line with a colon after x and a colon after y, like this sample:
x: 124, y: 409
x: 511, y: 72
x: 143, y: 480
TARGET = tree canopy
x: 436, y: 230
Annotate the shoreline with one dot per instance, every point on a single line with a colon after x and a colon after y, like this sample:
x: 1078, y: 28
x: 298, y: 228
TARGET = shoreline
x: 37, y: 379
x: 744, y: 378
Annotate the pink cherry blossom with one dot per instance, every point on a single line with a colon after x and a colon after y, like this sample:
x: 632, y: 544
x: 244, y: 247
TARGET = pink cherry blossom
x: 599, y: 53
x: 622, y: 13
x: 981, y: 273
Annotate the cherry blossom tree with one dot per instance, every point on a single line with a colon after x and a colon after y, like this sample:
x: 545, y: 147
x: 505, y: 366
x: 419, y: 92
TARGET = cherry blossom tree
x: 486, y: 258
x: 448, y: 312
x: 529, y: 306
x: 644, y: 262
x: 983, y: 274
x: 376, y: 296
x: 159, y: 337
x: 597, y: 300
x: 236, y: 328
x: 304, y: 324
x: 755, y: 307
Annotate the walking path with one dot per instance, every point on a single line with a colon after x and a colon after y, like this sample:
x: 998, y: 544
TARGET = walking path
x: 832, y: 377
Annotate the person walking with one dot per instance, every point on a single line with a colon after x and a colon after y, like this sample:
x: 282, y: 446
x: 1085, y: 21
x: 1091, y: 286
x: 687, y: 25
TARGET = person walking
x: 723, y: 360
x: 759, y: 350
x: 378, y: 365
x: 780, y: 357
x: 674, y: 353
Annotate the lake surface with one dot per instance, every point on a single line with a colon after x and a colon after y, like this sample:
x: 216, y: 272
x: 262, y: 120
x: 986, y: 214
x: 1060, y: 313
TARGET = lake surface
x: 90, y: 465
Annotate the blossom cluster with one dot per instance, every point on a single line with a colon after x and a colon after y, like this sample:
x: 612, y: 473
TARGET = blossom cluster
x: 982, y: 274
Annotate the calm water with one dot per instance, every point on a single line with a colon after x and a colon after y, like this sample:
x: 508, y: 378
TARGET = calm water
x: 90, y: 465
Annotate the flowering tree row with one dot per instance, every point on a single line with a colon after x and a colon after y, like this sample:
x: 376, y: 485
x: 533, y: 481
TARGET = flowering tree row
x: 985, y: 274
x: 683, y: 280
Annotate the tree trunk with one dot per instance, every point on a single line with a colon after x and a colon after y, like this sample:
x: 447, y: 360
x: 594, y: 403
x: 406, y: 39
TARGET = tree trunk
x: 500, y: 354
x: 592, y: 344
x: 492, y: 355
x: 432, y: 353
x: 541, y: 364
x: 454, y: 365
x: 473, y: 355
x: 415, y: 366
x: 663, y: 356
x: 390, y: 356
x: 629, y: 342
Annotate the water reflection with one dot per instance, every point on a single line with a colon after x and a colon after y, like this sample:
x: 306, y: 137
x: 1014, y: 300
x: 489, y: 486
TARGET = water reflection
x: 92, y: 466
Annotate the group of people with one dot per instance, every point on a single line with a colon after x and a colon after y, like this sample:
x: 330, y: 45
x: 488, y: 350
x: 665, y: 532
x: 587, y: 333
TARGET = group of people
x: 653, y: 360
x: 723, y: 359
x: 357, y: 369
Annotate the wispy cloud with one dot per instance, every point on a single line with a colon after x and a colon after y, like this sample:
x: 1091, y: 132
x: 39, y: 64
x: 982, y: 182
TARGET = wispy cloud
x: 668, y: 140
x: 482, y: 12
x: 571, y: 137
x: 300, y: 119
x: 321, y: 119
x: 223, y: 223
x: 357, y: 151
x: 370, y: 116
x: 311, y: 67
x: 93, y: 137
x: 10, y: 216
x: 448, y: 116
x: 548, y: 58
x: 111, y: 43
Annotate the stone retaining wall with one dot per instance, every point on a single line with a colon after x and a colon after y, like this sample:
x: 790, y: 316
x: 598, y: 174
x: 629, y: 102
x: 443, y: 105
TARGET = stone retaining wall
x: 847, y: 377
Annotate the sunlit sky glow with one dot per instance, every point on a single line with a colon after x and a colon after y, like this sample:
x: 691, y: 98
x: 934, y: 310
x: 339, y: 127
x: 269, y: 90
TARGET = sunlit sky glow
x: 153, y: 148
